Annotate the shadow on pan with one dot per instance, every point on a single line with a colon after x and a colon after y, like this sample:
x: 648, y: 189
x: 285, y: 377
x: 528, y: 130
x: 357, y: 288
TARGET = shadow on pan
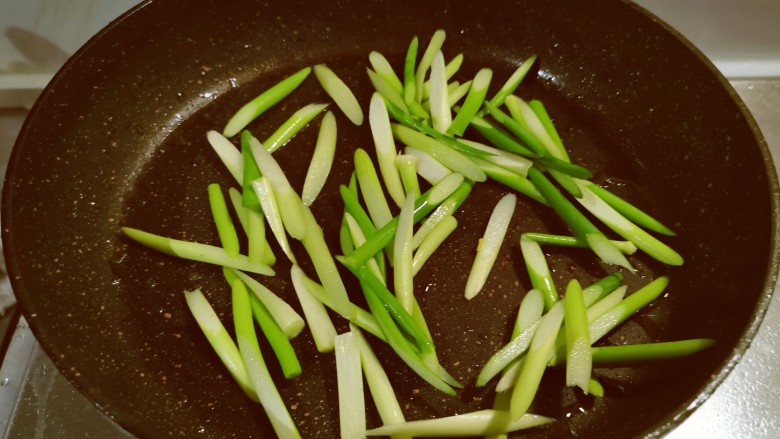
x: 118, y: 139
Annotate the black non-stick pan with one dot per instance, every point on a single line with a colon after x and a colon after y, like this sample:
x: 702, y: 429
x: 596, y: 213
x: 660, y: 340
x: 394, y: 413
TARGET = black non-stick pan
x: 118, y: 139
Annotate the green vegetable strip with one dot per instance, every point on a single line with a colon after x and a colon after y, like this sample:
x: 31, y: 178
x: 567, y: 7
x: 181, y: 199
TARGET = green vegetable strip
x: 601, y: 288
x: 345, y: 240
x: 358, y: 316
x: 567, y: 182
x: 441, y: 116
x: 220, y: 340
x: 492, y: 239
x: 541, y: 113
x: 228, y: 154
x: 407, y: 170
x: 474, y: 100
x: 385, y: 148
x: 292, y: 126
x: 410, y: 122
x: 536, y: 361
x: 450, y: 70
x: 500, y: 403
x: 387, y: 92
x: 324, y: 265
x: 432, y: 241
x: 225, y: 229
x: 402, y: 317
x: 479, y: 423
x: 378, y: 383
x: 449, y: 157
x: 258, y: 249
x: 538, y: 271
x: 626, y: 355
x: 403, y: 254
x: 576, y: 221
x: 321, y: 160
x: 320, y: 326
x: 595, y: 388
x: 371, y: 189
x: 385, y: 71
x: 507, y: 160
x: 514, y: 349
x: 353, y: 207
x: 251, y: 173
x: 593, y: 312
x: 267, y: 392
x: 270, y: 207
x: 340, y: 93
x: 509, y: 179
x: 358, y: 239
x: 521, y: 111
x: 606, y: 303
x: 513, y: 82
x: 626, y: 247
x: 351, y: 399
x: 284, y: 315
x: 196, y: 252
x: 518, y: 130
x: 507, y: 354
x: 625, y: 228
x: 437, y: 40
x: 400, y: 345
x: 630, y: 211
x: 457, y: 93
x: 410, y: 86
x: 427, y: 168
x: 630, y: 305
x: 530, y: 310
x: 423, y: 206
x: 288, y: 202
x: 500, y: 138
x: 444, y: 210
x: 281, y: 346
x: 579, y: 362
x: 266, y: 100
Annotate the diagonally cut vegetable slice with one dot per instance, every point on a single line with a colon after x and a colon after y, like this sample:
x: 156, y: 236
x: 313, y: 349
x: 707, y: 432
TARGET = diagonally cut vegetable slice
x: 321, y: 327
x: 271, y: 210
x: 432, y: 241
x: 220, y: 340
x: 434, y: 45
x: 340, y: 93
x: 285, y: 316
x: 385, y: 148
x: 383, y: 68
x: 225, y: 229
x: 536, y: 361
x: 321, y: 160
x: 579, y: 361
x: 194, y: 251
x: 474, y: 99
x: 228, y: 153
x: 289, y: 204
x: 371, y: 189
x: 449, y: 157
x: 266, y: 100
x: 491, y: 244
x: 479, y: 423
x: 441, y: 116
x: 253, y: 223
x: 352, y: 406
x: 266, y: 390
x: 292, y: 126
x: 403, y: 278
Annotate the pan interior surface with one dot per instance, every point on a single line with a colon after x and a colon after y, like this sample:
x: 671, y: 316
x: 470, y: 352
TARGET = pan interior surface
x: 118, y: 139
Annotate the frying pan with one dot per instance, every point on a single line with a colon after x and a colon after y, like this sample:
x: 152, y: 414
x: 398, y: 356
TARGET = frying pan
x: 118, y: 138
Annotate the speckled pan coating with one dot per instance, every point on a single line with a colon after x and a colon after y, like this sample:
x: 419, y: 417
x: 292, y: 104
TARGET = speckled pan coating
x: 119, y: 139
